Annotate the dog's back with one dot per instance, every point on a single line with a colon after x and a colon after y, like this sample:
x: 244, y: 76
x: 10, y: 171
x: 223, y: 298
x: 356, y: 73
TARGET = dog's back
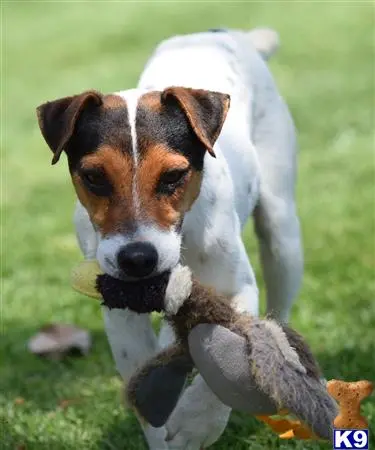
x: 199, y: 60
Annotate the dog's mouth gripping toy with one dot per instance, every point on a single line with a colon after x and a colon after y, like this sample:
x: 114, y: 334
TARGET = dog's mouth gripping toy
x: 253, y: 365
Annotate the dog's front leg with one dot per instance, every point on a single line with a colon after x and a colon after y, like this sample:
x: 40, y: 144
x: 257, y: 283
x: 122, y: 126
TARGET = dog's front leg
x: 133, y: 342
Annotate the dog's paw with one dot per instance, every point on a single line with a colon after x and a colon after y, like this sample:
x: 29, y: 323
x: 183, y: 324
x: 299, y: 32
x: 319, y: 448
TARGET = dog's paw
x: 198, y: 420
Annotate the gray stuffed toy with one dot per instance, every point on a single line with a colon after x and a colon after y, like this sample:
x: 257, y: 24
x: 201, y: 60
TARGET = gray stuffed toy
x: 253, y: 365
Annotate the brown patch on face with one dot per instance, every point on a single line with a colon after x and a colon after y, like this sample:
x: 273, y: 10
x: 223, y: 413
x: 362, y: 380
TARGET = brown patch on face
x: 96, y: 207
x: 113, y: 101
x: 166, y: 142
x: 151, y: 101
x: 165, y: 210
x: 115, y: 212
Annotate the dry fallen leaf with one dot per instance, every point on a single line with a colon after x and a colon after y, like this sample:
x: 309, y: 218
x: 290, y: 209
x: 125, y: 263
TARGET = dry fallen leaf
x: 57, y: 340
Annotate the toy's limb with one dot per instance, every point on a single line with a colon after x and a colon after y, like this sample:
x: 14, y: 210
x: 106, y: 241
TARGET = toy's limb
x: 235, y: 368
x: 222, y: 358
x: 154, y: 390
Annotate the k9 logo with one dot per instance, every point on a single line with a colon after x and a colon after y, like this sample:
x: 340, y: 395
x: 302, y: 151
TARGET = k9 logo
x: 343, y: 439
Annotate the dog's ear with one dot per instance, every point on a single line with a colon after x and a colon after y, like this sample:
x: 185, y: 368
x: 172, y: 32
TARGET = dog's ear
x: 205, y: 110
x: 57, y: 119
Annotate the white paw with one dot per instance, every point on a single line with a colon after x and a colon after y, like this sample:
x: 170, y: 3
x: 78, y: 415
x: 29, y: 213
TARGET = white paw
x: 198, y: 420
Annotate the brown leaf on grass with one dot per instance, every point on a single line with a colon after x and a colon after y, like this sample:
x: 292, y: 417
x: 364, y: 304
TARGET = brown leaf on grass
x: 55, y: 341
x: 19, y: 401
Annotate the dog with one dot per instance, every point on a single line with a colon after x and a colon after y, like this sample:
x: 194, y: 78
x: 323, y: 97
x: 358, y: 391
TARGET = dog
x: 172, y: 170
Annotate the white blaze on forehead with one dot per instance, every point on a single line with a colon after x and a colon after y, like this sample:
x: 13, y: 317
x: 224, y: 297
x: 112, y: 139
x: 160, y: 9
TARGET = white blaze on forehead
x: 131, y: 97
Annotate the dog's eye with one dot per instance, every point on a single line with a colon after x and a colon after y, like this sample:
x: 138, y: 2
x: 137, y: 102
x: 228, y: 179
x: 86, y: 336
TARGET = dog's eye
x: 171, y: 180
x: 96, y: 181
x: 172, y: 176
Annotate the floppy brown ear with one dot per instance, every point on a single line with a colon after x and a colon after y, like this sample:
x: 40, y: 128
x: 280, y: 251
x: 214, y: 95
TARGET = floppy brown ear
x: 205, y: 110
x: 58, y: 118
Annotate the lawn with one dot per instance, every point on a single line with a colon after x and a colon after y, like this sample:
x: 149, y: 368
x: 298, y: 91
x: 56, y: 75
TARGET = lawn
x: 325, y: 69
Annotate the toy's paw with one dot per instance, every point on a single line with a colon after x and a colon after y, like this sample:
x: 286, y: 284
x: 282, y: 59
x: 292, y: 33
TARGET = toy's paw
x: 222, y: 358
x: 155, y: 437
x: 155, y: 389
x: 179, y: 288
x: 84, y: 277
x: 198, y: 420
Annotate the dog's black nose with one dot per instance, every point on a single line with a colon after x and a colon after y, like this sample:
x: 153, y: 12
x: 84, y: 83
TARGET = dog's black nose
x: 137, y: 259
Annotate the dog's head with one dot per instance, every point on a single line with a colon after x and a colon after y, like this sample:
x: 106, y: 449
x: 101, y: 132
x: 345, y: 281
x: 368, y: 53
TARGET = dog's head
x: 136, y: 162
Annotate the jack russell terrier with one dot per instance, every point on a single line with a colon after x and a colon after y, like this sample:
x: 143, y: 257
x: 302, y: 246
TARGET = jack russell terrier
x: 171, y: 171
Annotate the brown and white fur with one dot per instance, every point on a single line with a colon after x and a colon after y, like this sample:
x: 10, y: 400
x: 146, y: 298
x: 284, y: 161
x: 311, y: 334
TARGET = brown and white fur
x: 150, y: 192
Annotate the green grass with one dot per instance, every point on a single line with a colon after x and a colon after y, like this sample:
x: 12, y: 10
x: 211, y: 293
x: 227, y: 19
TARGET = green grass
x: 325, y: 69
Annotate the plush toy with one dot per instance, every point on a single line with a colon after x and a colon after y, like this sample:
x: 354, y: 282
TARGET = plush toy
x: 252, y: 365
